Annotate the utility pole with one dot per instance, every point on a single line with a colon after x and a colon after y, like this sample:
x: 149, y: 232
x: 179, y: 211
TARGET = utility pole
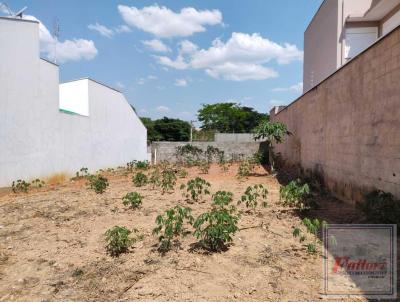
x: 56, y: 34
x: 191, y: 130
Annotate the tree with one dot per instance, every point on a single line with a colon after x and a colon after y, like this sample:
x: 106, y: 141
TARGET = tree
x: 271, y: 132
x: 229, y: 117
x: 166, y: 129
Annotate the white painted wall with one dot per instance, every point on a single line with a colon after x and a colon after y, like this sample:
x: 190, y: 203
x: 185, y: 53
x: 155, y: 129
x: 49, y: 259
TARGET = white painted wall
x: 74, y: 97
x: 36, y: 139
x: 357, y: 39
x: 391, y: 24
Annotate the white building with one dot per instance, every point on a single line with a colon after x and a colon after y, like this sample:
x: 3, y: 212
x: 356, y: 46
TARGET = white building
x: 47, y: 128
x: 340, y: 30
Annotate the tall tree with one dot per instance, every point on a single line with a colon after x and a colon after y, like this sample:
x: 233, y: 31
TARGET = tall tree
x: 166, y: 129
x: 229, y: 117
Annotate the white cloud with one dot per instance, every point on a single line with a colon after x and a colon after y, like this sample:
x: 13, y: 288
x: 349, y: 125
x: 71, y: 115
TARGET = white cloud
x: 101, y: 29
x: 143, y: 81
x: 68, y: 50
x: 165, y: 23
x: 156, y: 45
x: 122, y: 29
x: 187, y: 47
x: 243, y: 57
x: 180, y: 83
x: 119, y: 85
x: 179, y: 63
x: 163, y: 109
x: 298, y: 88
x: 152, y: 77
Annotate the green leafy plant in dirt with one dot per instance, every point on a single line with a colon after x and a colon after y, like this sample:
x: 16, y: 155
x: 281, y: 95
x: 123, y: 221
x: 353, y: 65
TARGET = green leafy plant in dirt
x: 295, y: 194
x: 172, y: 225
x: 119, y: 240
x: 131, y: 165
x: 155, y: 178
x: 380, y: 207
x: 168, y: 180
x: 20, y: 186
x: 132, y: 199
x: 37, y: 183
x: 224, y: 165
x: 253, y: 195
x: 195, y: 189
x: 204, y: 167
x: 83, y: 172
x: 139, y: 179
x: 216, y: 228
x: 246, y: 168
x: 98, y: 183
x: 271, y: 132
x: 313, y: 227
x: 182, y: 173
x: 142, y: 165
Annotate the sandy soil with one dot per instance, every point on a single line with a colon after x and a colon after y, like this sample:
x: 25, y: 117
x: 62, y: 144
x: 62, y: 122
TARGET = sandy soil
x: 52, y: 247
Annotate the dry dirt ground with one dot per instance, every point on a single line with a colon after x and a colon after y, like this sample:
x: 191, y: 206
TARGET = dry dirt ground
x: 52, y: 247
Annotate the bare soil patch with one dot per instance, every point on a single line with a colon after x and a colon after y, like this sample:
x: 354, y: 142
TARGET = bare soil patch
x: 52, y: 247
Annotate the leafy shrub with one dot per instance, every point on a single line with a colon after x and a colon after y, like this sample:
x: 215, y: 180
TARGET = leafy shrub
x: 295, y: 194
x: 83, y: 172
x: 213, y: 153
x: 118, y: 240
x: 204, y: 167
x: 132, y: 199
x: 168, y: 180
x: 98, y: 183
x: 223, y: 165
x: 139, y: 179
x: 155, y: 178
x: 253, y: 195
x: 131, y: 165
x: 37, y: 183
x: 20, y: 186
x: 246, y: 168
x: 171, y: 225
x: 381, y: 207
x: 313, y: 227
x: 217, y: 227
x: 142, y: 165
x: 182, y: 173
x: 196, y: 189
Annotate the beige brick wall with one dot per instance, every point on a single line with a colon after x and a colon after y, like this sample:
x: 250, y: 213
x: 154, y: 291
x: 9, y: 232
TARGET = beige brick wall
x: 348, y: 127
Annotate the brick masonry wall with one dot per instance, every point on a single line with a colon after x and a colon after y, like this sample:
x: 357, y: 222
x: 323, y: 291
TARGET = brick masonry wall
x: 166, y: 150
x: 347, y: 129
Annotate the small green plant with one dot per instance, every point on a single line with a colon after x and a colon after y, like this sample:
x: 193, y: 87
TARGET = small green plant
x: 223, y: 165
x: 253, y: 195
x: 155, y: 178
x: 139, y: 179
x: 118, y: 240
x: 313, y: 227
x: 168, y: 180
x: 182, y: 173
x: 246, y: 168
x: 142, y: 165
x: 132, y: 199
x: 195, y: 189
x: 171, y: 225
x: 98, y: 183
x: 204, y: 167
x: 217, y: 227
x: 131, y: 165
x: 295, y: 194
x: 20, y: 186
x: 380, y: 207
x: 37, y: 183
x: 83, y: 172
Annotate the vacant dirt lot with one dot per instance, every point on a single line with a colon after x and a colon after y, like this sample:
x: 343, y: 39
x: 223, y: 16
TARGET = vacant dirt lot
x: 52, y: 247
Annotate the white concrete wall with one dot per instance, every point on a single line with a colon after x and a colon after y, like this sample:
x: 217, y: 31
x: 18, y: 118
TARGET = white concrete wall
x: 74, y: 97
x: 391, y: 24
x: 36, y: 139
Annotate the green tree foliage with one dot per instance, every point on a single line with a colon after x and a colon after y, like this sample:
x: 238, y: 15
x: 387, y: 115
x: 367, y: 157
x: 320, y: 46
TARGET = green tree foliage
x: 167, y: 129
x: 229, y: 117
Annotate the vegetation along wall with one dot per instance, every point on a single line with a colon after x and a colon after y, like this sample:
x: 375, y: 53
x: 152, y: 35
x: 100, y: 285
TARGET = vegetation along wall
x: 347, y: 129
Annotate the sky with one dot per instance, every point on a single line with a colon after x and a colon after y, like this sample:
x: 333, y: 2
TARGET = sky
x: 171, y: 56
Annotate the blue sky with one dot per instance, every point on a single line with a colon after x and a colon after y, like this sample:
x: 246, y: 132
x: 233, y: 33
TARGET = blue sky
x: 169, y: 57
